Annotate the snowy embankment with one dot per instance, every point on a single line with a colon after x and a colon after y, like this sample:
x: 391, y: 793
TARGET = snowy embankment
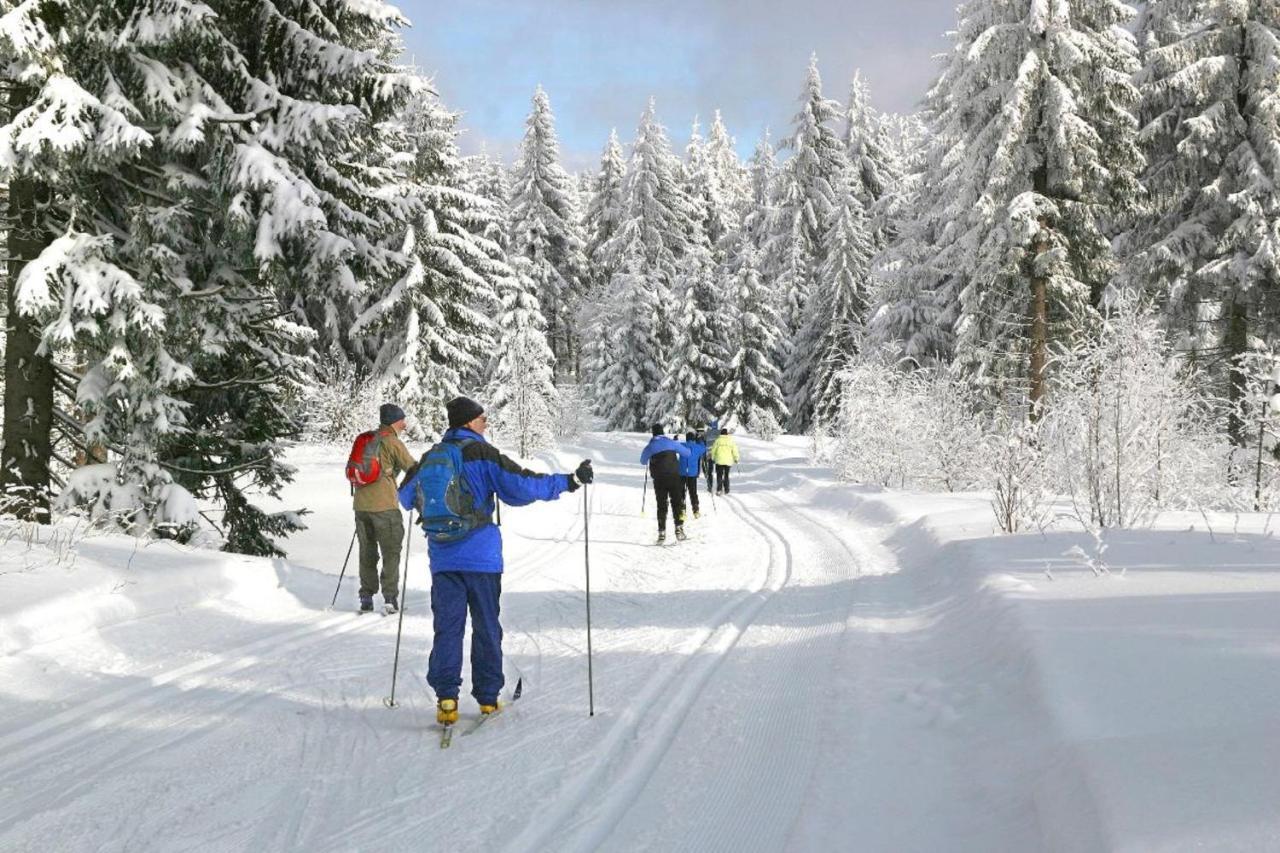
x: 821, y: 666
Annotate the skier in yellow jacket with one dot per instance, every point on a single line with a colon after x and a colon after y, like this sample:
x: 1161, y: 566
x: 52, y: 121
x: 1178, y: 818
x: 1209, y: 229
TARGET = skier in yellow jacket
x: 724, y: 454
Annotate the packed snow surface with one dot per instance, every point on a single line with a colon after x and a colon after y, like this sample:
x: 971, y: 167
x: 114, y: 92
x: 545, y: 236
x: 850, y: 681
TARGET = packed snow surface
x: 822, y: 666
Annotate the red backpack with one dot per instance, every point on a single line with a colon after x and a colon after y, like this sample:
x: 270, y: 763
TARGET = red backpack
x: 363, y: 465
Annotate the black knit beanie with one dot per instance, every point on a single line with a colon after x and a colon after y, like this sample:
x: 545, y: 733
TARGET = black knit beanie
x: 657, y: 429
x: 390, y: 413
x: 462, y: 411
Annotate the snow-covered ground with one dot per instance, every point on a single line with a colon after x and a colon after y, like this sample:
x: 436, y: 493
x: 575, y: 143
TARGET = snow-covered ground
x: 821, y: 667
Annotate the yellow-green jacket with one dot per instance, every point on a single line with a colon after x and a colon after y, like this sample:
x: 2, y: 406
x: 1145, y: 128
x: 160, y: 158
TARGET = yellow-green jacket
x: 724, y: 450
x: 394, y: 457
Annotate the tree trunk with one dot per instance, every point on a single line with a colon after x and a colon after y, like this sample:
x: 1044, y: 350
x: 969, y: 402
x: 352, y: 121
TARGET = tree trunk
x: 1039, y: 326
x: 28, y: 390
x: 1236, y: 343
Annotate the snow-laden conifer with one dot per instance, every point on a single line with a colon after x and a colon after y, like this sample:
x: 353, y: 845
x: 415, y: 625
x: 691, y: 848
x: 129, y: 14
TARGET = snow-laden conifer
x: 835, y: 327
x: 806, y: 199
x: 876, y: 171
x: 488, y: 179
x: 758, y: 220
x: 522, y: 392
x: 696, y: 365
x: 750, y: 392
x: 1042, y: 166
x: 430, y: 331
x: 194, y: 171
x: 606, y: 208
x: 1207, y: 249
x: 635, y: 330
x: 631, y: 353
x: 716, y: 183
x: 545, y: 229
x: 910, y: 288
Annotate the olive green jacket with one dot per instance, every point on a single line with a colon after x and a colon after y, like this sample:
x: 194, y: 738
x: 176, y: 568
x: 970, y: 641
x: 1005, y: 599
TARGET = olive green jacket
x: 394, y: 458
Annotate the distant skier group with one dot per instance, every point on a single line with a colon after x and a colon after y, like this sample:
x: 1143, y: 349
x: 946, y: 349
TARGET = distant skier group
x: 675, y: 468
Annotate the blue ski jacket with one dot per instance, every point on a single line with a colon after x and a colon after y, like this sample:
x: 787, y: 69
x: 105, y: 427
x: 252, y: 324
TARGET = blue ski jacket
x: 662, y: 465
x: 488, y: 473
x: 691, y: 466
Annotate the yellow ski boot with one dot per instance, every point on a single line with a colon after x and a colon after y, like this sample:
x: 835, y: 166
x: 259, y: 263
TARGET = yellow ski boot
x: 486, y: 710
x: 447, y: 712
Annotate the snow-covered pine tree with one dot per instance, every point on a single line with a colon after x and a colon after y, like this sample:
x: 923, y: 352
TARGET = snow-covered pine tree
x: 429, y: 332
x: 732, y: 179
x: 715, y: 181
x: 488, y: 179
x: 522, y: 392
x: 1207, y: 249
x: 835, y: 326
x: 1037, y: 101
x: 186, y: 156
x: 606, y: 209
x: 750, y: 393
x: 605, y: 212
x: 696, y: 365
x: 805, y: 205
x: 910, y: 289
x: 757, y: 222
x: 632, y: 352
x: 806, y: 199
x: 876, y: 171
x: 654, y: 236
x: 545, y: 229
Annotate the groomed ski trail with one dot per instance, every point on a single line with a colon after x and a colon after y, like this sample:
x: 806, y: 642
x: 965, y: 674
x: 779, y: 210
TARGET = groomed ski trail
x: 763, y: 686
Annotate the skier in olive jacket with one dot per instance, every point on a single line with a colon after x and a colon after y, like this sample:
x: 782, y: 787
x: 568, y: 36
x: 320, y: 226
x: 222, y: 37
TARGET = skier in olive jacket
x: 379, y: 521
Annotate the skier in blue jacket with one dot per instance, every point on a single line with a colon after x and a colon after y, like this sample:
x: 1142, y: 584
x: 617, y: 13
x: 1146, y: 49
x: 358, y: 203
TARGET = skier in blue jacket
x: 466, y: 574
x: 691, y: 469
x: 665, y: 456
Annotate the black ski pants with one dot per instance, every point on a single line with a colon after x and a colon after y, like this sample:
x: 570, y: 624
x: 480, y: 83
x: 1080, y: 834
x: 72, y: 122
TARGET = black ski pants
x: 669, y: 490
x: 722, y: 479
x: 691, y: 489
x: 709, y: 469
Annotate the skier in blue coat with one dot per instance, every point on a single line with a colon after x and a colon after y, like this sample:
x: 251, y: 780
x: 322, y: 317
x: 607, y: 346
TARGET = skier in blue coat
x: 691, y: 469
x: 466, y: 574
x: 665, y: 456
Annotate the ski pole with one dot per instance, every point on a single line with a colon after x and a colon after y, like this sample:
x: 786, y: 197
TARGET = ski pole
x: 344, y: 570
x: 586, y: 553
x: 645, y: 493
x: 390, y: 701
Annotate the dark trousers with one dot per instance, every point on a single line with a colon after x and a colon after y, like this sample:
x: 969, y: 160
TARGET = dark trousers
x: 380, y: 531
x: 669, y: 490
x: 691, y: 489
x: 453, y: 594
x: 722, y: 479
x: 708, y: 468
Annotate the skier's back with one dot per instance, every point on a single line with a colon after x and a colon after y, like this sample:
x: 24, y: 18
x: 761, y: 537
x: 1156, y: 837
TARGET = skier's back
x: 664, y: 457
x: 724, y: 453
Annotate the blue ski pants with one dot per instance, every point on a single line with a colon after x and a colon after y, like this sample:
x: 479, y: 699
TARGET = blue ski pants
x: 453, y: 594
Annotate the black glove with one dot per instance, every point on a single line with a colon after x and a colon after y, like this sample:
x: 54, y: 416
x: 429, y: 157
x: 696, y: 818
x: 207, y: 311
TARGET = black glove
x: 584, y: 474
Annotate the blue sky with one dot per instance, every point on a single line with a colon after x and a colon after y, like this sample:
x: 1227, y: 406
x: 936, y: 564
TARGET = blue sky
x: 600, y: 60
